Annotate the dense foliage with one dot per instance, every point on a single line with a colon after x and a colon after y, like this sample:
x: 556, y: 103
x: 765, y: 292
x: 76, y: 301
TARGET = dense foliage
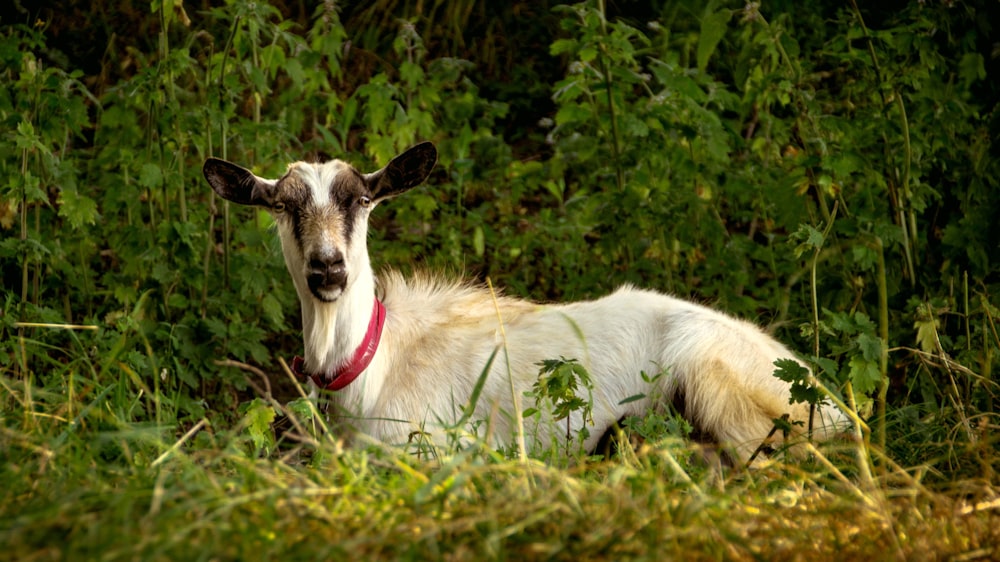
x: 826, y: 169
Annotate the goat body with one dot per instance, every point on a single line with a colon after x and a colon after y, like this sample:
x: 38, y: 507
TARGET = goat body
x: 641, y: 348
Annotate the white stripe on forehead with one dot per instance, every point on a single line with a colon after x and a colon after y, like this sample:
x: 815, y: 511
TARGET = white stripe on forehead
x: 319, y: 177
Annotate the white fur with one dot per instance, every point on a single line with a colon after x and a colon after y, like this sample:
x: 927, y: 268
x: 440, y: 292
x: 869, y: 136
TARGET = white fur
x: 439, y: 335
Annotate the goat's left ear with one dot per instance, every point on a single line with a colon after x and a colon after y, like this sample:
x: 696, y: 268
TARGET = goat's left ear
x: 235, y: 183
x: 404, y: 172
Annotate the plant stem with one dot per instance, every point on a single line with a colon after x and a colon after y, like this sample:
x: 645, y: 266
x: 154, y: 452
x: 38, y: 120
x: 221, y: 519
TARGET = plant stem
x: 165, y: 74
x: 907, y: 224
x: 522, y: 450
x: 210, y: 234
x: 965, y: 309
x: 224, y: 147
x: 615, y: 142
x: 987, y: 369
x: 812, y: 278
x: 182, y: 196
x: 861, y: 439
x: 883, y: 328
x: 24, y: 228
x: 23, y: 366
x: 908, y: 219
x: 149, y: 158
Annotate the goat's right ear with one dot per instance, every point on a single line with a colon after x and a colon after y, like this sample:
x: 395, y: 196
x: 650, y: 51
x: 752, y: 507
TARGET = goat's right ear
x: 404, y: 172
x: 235, y: 183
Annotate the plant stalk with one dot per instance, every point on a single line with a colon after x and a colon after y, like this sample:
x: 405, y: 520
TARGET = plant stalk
x: 883, y: 329
x: 615, y: 141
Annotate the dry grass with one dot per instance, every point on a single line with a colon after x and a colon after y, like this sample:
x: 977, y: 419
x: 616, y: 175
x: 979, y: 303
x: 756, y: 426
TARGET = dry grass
x: 96, y: 491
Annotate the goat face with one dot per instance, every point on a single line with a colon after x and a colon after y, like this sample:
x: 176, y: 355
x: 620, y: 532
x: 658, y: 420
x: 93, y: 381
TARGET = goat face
x: 321, y: 211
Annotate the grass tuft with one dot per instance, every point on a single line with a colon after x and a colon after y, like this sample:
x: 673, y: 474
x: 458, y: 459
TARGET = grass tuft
x: 98, y: 487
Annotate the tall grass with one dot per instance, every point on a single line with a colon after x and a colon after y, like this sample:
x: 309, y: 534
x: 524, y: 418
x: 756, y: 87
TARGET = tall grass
x: 98, y: 485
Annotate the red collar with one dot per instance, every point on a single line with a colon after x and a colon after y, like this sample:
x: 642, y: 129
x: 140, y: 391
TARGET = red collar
x: 345, y: 375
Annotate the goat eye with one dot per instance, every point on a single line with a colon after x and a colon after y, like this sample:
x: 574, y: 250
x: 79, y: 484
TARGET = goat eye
x: 365, y: 201
x: 279, y: 207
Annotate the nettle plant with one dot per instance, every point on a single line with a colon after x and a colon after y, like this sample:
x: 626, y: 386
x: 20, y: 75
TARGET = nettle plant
x: 685, y: 154
x: 44, y: 111
x: 434, y: 98
x: 712, y: 142
x: 638, y: 135
x: 563, y: 387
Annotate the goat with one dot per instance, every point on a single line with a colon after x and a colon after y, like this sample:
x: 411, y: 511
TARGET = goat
x: 410, y: 359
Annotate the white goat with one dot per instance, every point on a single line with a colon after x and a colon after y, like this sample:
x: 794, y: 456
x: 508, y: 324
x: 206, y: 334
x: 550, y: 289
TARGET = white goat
x: 410, y: 359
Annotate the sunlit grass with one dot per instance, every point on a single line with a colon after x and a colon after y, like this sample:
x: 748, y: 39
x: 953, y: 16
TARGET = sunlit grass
x: 110, y: 489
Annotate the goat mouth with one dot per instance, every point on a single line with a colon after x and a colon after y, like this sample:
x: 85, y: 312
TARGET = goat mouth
x: 327, y: 287
x: 328, y: 294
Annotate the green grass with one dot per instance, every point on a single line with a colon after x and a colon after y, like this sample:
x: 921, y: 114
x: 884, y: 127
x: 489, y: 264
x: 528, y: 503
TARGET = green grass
x: 81, y: 481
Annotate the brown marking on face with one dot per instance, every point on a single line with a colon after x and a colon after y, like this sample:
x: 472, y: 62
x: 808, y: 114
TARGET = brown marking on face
x: 349, y: 192
x: 322, y: 206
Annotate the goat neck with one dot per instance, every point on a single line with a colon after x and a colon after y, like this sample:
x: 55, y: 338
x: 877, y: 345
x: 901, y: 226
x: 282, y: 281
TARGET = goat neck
x: 332, y: 332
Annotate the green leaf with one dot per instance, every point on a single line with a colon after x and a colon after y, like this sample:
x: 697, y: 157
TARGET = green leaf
x: 713, y: 29
x: 186, y: 376
x: 558, y: 381
x: 804, y: 393
x: 573, y: 113
x: 588, y: 53
x: 783, y: 424
x: 865, y: 257
x: 972, y: 68
x: 560, y: 46
x: 790, y: 370
x: 864, y: 374
x: 257, y: 420
x: 810, y: 239
x: 632, y: 126
x: 479, y: 241
x: 844, y: 164
x: 273, y: 311
x: 127, y: 296
x: 827, y: 366
x: 790, y: 45
x: 411, y: 73
x: 295, y: 71
x: 927, y: 334
x: 424, y: 204
x: 870, y: 346
x: 301, y: 409
x: 177, y: 300
x: 150, y: 176
x: 32, y: 186
x: 802, y: 389
x: 26, y: 139
x: 78, y: 209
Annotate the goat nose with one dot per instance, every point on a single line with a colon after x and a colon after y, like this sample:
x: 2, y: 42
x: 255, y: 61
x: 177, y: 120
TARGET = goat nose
x: 327, y: 275
x: 327, y: 262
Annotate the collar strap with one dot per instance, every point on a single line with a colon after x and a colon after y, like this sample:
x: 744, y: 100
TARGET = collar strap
x: 345, y: 375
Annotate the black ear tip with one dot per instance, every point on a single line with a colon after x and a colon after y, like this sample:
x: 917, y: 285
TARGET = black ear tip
x: 211, y: 167
x: 211, y: 163
x: 425, y: 147
x: 428, y: 151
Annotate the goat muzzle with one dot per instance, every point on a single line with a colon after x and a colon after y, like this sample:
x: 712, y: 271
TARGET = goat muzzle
x: 327, y: 276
